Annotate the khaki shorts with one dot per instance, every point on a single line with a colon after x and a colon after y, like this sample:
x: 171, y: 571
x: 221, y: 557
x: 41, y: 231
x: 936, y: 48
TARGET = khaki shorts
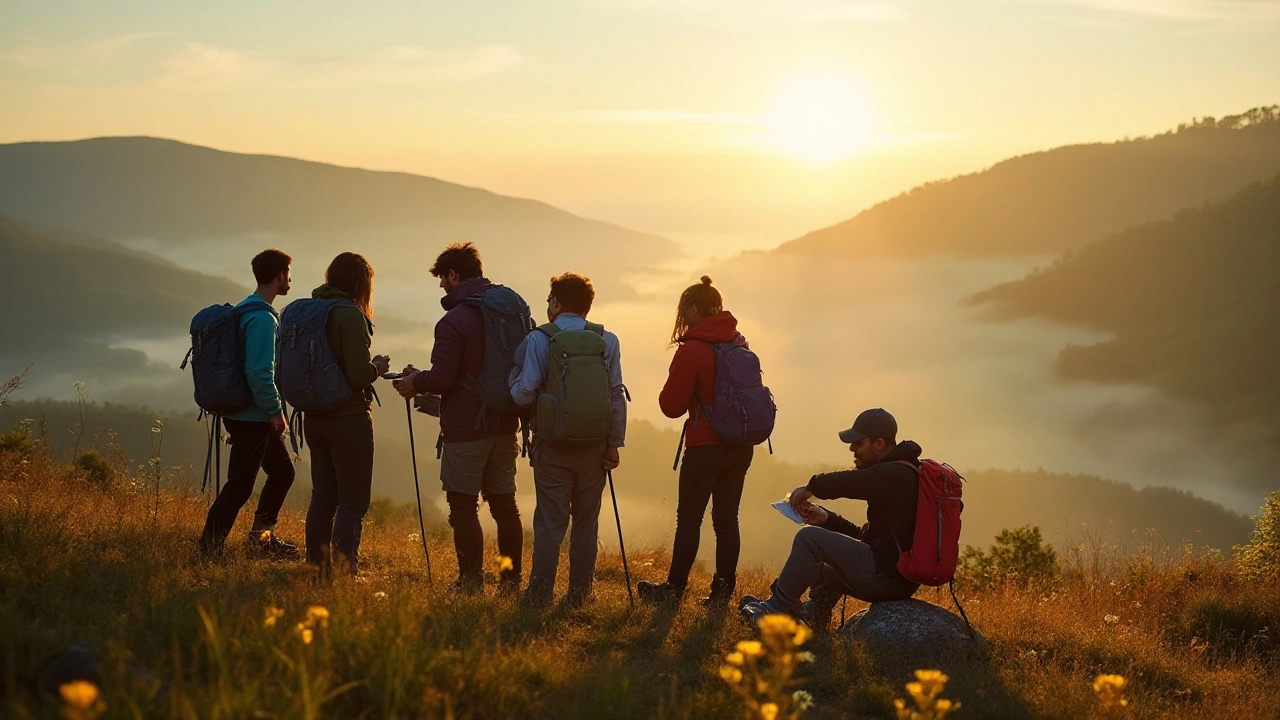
x: 487, y: 465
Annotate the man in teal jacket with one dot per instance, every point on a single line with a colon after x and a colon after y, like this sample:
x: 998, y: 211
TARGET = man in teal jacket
x: 257, y: 432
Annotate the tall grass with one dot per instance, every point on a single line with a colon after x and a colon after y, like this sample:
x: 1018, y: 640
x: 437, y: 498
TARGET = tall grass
x: 180, y: 636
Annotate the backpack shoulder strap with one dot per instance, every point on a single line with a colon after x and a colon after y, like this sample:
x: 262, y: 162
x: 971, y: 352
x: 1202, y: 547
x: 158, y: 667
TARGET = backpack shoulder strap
x: 549, y: 329
x: 595, y: 328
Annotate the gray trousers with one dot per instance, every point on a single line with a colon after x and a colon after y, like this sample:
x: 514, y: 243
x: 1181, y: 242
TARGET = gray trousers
x: 569, y: 483
x: 830, y: 565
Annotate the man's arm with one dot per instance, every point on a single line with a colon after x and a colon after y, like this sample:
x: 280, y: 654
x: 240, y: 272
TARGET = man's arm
x: 526, y: 379
x: 617, y: 398
x: 838, y: 524
x: 446, y: 361
x: 865, y: 484
x: 260, y: 361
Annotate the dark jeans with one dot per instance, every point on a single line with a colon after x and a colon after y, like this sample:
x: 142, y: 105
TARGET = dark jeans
x: 830, y: 565
x: 715, y: 473
x: 341, y: 482
x: 468, y: 537
x: 254, y: 445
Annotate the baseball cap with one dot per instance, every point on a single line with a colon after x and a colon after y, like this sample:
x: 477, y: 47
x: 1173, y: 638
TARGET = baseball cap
x: 876, y: 422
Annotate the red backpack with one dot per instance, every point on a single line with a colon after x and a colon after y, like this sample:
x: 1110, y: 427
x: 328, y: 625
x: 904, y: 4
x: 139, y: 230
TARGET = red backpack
x: 935, y: 547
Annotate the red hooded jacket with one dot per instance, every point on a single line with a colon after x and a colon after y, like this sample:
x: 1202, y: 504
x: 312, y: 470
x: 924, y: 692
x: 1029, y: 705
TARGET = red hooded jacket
x: 693, y: 376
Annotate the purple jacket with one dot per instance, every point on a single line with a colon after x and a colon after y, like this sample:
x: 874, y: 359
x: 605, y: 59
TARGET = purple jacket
x: 457, y: 359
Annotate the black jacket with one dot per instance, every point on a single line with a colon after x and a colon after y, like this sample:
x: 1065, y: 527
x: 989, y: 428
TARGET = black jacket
x: 890, y: 488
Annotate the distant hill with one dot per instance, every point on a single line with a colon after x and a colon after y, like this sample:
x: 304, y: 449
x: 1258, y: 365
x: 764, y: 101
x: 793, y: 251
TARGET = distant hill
x: 131, y: 188
x: 1192, y: 302
x: 1050, y: 201
x: 82, y: 287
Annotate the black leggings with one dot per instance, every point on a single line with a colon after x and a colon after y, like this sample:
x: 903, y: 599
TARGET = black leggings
x: 715, y: 473
x: 468, y: 537
x: 341, y: 483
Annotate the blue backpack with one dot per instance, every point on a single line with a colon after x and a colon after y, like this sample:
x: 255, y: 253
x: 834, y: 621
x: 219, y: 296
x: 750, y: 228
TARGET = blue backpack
x: 217, y: 358
x: 742, y: 411
x: 310, y: 378
x: 506, y: 323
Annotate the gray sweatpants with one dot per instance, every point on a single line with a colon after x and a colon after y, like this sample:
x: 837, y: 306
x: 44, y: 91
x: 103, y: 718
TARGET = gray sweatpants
x: 569, y: 483
x: 832, y: 565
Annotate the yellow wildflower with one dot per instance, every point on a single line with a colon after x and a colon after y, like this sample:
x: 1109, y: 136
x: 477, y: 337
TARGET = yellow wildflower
x: 731, y: 674
x: 79, y: 694
x: 734, y: 658
x: 777, y: 625
x: 305, y: 633
x: 273, y: 613
x: 769, y: 711
x: 318, y: 614
x: 930, y: 682
x: 803, y: 633
x: 750, y: 648
x: 265, y: 535
x: 504, y: 563
x: 1110, y: 690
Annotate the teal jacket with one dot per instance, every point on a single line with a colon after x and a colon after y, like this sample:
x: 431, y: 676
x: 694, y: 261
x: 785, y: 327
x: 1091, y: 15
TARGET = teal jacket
x: 258, y: 329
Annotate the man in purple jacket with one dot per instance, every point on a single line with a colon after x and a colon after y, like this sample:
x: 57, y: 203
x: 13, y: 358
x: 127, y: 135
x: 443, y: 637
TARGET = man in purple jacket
x: 480, y: 445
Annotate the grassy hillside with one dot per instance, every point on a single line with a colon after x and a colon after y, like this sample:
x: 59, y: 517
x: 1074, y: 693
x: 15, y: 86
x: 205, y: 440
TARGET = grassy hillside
x: 1191, y: 302
x: 1050, y: 201
x: 133, y: 188
x: 1070, y: 509
x: 180, y: 637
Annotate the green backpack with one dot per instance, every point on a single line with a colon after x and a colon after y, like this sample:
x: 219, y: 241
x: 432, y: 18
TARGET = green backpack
x: 574, y: 407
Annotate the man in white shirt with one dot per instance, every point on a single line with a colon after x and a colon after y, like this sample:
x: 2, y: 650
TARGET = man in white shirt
x: 569, y: 471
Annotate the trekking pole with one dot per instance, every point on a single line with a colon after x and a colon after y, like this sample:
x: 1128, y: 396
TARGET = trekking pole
x: 626, y: 571
x: 413, y: 453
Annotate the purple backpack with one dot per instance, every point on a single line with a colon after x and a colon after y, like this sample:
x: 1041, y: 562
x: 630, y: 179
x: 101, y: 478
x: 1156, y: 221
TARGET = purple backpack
x: 742, y: 410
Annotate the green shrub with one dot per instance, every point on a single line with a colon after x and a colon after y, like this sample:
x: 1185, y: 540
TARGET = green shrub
x: 1228, y: 625
x: 97, y: 471
x: 19, y: 441
x: 1018, y: 556
x: 1260, y: 559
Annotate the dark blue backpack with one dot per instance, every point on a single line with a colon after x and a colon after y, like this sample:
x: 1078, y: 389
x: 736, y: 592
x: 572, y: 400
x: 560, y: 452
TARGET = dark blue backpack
x: 506, y: 323
x: 310, y: 378
x: 742, y: 411
x: 217, y: 358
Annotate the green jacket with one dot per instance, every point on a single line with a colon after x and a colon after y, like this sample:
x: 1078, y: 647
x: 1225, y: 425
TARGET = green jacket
x: 350, y: 336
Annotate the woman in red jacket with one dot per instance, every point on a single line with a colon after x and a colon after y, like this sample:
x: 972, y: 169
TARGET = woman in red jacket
x: 711, y: 470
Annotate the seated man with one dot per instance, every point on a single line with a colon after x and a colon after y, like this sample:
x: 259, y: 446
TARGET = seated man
x: 833, y: 557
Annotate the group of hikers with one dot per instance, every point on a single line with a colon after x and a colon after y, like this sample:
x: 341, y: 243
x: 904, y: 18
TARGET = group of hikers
x: 506, y: 387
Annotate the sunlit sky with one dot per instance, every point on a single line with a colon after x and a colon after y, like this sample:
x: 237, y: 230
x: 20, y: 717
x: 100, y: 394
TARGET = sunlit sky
x: 719, y: 123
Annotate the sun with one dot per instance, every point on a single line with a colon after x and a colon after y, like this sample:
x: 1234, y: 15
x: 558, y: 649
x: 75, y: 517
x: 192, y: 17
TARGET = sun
x: 821, y: 118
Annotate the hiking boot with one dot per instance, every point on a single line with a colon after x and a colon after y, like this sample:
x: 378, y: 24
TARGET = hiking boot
x: 536, y: 596
x: 754, y: 609
x: 267, y: 544
x: 721, y: 592
x: 508, y: 586
x: 654, y: 593
x: 816, y: 614
x: 577, y: 598
x: 466, y: 585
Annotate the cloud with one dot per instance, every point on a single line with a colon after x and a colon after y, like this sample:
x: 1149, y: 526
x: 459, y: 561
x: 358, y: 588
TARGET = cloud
x: 410, y: 65
x: 1185, y: 10
x: 664, y: 116
x: 94, y: 50
x: 796, y: 12
x: 205, y: 67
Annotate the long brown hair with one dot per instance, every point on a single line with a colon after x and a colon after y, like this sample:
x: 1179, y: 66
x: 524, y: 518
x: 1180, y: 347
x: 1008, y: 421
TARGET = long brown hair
x: 701, y: 296
x: 352, y: 274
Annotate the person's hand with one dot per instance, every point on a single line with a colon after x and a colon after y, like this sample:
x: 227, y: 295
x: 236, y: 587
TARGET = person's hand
x: 381, y: 363
x: 799, y: 497
x: 404, y: 385
x: 813, y: 514
x: 279, y: 423
x: 409, y: 369
x: 611, y: 459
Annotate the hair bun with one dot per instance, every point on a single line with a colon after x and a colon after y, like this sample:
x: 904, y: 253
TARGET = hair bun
x: 706, y: 279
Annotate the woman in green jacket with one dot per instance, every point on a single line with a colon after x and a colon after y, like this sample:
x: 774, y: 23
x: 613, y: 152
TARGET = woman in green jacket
x: 341, y: 440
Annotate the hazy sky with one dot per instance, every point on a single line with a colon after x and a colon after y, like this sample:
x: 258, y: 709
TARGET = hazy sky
x: 732, y: 123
